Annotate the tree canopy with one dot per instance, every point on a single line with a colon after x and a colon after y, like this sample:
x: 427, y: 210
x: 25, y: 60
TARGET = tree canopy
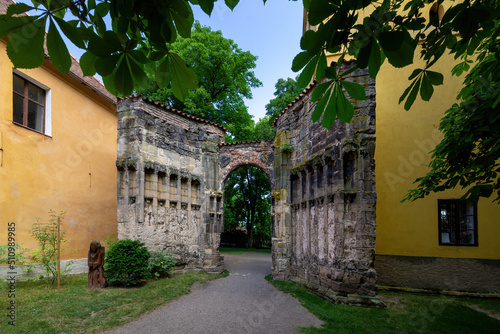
x: 286, y: 91
x: 225, y: 75
x: 247, y: 204
x: 141, y: 31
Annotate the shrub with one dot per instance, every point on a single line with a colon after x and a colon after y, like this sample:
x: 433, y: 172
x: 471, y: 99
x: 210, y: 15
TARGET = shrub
x: 127, y: 262
x: 161, y: 263
x: 16, y: 256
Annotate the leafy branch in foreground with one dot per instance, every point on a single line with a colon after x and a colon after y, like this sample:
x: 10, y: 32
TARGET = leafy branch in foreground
x: 122, y: 52
x: 374, y: 31
x: 135, y: 43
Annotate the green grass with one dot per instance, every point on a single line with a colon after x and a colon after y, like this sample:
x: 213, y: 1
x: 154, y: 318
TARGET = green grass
x: 405, y: 313
x: 75, y: 309
x: 240, y: 251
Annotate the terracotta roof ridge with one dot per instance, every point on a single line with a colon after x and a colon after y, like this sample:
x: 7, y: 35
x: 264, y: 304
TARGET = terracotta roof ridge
x: 246, y: 142
x: 163, y: 106
x: 297, y: 99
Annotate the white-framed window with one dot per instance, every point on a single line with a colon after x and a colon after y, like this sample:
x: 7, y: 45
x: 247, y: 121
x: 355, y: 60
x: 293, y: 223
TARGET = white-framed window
x: 31, y: 103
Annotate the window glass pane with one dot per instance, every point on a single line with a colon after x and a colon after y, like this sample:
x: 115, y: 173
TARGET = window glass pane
x: 18, y: 108
x: 35, y: 116
x: 18, y: 84
x: 453, y: 233
x: 35, y: 93
x: 467, y: 225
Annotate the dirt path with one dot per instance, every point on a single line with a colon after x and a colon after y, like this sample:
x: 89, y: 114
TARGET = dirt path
x: 243, y: 302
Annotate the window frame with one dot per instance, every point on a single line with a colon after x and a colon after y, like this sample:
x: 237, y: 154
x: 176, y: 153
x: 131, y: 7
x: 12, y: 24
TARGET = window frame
x: 46, y: 118
x: 458, y: 203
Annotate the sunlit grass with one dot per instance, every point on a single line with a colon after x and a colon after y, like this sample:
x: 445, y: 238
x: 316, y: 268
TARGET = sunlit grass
x: 75, y: 309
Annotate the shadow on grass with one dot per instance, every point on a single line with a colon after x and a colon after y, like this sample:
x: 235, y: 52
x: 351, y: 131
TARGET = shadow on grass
x: 405, y: 313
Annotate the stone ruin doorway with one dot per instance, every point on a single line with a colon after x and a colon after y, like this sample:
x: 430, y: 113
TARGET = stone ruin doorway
x: 252, y: 203
x: 258, y: 155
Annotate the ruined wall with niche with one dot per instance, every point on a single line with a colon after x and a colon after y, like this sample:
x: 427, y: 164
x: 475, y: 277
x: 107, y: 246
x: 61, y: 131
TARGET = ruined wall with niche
x: 168, y: 182
x: 325, y: 197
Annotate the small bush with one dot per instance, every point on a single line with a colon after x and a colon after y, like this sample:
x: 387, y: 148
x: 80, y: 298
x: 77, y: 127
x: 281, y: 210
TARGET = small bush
x: 127, y: 262
x: 161, y: 263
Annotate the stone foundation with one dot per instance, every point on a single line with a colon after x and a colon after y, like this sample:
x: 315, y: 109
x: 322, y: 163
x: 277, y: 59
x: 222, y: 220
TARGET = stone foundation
x: 439, y: 273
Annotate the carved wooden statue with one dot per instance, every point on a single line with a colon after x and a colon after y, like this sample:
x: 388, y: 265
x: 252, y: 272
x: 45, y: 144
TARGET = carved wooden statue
x: 97, y: 279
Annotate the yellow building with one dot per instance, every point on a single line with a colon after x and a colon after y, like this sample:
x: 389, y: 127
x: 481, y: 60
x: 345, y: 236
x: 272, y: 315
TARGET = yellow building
x: 438, y: 242
x: 57, y: 151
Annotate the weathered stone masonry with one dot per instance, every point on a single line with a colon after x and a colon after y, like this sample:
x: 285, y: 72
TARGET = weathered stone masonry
x: 325, y: 200
x: 172, y: 170
x: 168, y: 182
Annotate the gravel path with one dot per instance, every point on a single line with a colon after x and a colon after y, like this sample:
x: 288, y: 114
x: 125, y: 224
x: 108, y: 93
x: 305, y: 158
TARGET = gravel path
x: 243, y: 302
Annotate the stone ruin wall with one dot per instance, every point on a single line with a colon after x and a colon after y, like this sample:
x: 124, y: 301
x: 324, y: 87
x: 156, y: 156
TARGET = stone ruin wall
x: 325, y: 197
x: 168, y: 182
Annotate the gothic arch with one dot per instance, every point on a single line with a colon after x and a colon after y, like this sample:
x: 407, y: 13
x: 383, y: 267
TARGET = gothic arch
x: 235, y: 155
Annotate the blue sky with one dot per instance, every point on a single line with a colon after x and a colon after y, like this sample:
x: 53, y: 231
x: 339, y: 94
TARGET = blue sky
x: 271, y: 32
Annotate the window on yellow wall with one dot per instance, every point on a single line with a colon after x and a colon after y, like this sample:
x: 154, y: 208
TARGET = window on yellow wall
x: 457, y: 223
x: 31, y: 103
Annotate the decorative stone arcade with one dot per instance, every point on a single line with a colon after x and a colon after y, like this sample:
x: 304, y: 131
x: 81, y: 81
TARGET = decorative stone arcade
x: 172, y: 170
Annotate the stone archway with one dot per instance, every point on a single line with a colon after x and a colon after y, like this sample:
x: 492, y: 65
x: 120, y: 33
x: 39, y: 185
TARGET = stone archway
x: 235, y: 155
x: 252, y: 154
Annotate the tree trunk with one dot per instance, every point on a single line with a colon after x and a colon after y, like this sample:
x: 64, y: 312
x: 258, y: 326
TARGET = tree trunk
x: 250, y: 235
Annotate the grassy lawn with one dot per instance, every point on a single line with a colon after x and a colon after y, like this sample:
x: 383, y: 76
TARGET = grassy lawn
x: 75, y: 309
x: 405, y: 313
x: 240, y: 251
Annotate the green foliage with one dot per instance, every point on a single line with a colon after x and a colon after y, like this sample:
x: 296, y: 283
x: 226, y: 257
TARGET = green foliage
x: 45, y: 233
x: 247, y: 204
x: 261, y: 131
x: 225, y: 75
x: 469, y: 153
x: 127, y: 262
x: 137, y: 39
x: 141, y: 34
x: 286, y: 91
x: 21, y: 257
x: 286, y: 147
x: 109, y: 241
x: 161, y: 264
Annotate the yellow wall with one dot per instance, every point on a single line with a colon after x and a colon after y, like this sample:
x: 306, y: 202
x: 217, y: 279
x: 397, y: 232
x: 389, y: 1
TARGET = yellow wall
x: 404, y: 139
x: 72, y: 170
